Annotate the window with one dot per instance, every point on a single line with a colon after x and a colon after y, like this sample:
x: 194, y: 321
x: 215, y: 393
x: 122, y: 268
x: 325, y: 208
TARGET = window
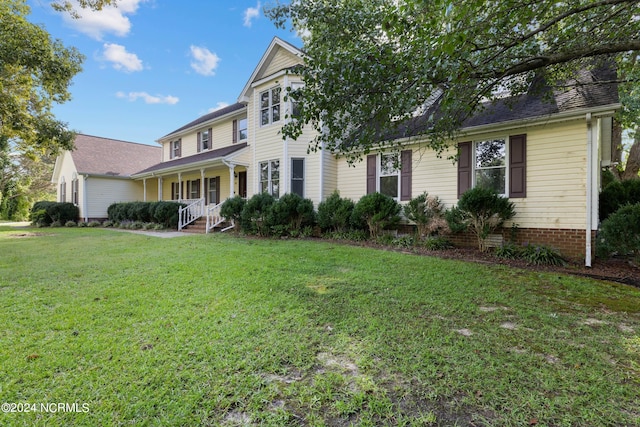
x: 213, y: 190
x: 63, y: 191
x: 242, y: 129
x: 175, y: 148
x: 204, y: 140
x: 297, y: 177
x: 270, y: 177
x: 295, y: 105
x: 74, y: 191
x: 389, y: 175
x: 494, y: 164
x: 193, y: 189
x: 270, y: 106
x: 175, y: 191
x: 491, y: 165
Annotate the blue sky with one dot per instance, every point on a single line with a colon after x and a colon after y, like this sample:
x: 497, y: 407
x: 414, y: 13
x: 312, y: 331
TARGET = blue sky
x: 154, y: 65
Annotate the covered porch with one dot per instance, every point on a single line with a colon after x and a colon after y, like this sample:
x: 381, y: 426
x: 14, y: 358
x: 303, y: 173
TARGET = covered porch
x: 202, y: 184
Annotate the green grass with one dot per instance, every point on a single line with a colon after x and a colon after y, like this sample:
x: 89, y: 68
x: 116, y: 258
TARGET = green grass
x: 216, y: 330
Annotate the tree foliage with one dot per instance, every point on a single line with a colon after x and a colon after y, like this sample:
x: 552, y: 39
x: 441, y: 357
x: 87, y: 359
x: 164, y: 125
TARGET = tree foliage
x: 373, y: 65
x: 35, y: 73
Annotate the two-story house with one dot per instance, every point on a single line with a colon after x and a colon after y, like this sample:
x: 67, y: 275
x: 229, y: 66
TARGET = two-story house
x: 543, y: 152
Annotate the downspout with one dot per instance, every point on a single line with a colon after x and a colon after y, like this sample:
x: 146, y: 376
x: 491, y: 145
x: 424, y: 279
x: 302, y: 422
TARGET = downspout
x: 322, y: 177
x: 587, y: 257
x: 84, y: 197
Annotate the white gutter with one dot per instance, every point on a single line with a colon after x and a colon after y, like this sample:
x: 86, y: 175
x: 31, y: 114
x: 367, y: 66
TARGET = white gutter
x: 587, y: 257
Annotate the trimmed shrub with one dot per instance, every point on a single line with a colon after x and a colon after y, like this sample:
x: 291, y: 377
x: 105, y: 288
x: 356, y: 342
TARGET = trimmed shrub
x: 620, y: 233
x: 53, y: 212
x: 428, y: 214
x: 290, y: 213
x: 483, y: 211
x: 377, y: 211
x: 166, y: 213
x: 254, y: 214
x: 70, y: 224
x: 93, y: 224
x: 334, y: 213
x: 617, y: 194
x: 231, y: 209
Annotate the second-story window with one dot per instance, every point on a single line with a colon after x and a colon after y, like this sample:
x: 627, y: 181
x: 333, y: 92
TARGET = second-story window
x: 175, y: 149
x: 205, y: 140
x: 242, y: 130
x: 270, y: 106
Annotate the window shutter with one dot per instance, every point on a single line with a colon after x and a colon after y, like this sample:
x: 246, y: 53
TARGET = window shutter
x: 405, y: 175
x: 464, y: 167
x: 180, y: 147
x: 210, y: 138
x: 518, y: 166
x: 235, y: 131
x: 206, y: 191
x: 371, y: 173
x: 199, y: 141
x: 217, y: 190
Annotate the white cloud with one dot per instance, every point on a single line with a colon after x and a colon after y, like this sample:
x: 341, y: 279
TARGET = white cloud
x: 109, y: 20
x: 250, y: 14
x: 219, y: 106
x: 121, y: 59
x: 149, y: 99
x: 204, y: 61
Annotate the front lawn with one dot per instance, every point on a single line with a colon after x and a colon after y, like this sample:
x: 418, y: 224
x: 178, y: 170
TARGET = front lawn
x: 127, y: 329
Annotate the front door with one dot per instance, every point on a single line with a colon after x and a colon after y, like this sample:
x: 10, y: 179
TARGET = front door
x: 242, y: 184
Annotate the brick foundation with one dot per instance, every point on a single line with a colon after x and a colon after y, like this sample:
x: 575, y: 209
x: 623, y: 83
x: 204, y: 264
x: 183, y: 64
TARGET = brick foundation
x: 569, y: 242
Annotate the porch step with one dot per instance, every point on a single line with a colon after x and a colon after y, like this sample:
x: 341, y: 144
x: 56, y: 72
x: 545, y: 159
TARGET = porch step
x: 199, y: 226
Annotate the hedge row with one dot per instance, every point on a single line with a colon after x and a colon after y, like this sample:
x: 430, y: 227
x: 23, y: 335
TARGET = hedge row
x: 165, y: 213
x: 45, y: 213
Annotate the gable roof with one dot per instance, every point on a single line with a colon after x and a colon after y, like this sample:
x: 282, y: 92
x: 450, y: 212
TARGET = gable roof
x: 276, y: 44
x: 208, y: 117
x: 95, y: 155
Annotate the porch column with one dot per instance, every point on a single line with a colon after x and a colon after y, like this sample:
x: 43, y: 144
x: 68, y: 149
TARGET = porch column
x: 180, y: 186
x: 231, y: 180
x: 159, y: 188
x: 202, y: 183
x: 144, y: 191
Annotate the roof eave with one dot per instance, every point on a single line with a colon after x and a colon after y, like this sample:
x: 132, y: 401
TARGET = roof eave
x: 190, y: 129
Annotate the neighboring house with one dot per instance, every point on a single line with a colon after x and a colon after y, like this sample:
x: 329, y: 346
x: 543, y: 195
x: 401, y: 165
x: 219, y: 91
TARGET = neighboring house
x: 97, y: 173
x: 544, y: 154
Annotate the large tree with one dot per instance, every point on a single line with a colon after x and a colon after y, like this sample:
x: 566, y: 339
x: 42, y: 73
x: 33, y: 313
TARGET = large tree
x: 371, y: 65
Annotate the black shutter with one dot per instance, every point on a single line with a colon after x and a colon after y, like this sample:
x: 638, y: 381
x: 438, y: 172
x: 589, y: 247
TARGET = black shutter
x: 235, y: 132
x: 217, y: 190
x: 210, y: 138
x: 518, y: 166
x: 405, y: 175
x: 199, y: 141
x: 180, y: 147
x: 465, y: 167
x: 371, y: 173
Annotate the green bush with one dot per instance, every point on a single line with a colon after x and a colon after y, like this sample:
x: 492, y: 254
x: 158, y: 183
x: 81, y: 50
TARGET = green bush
x: 93, y: 224
x: 254, y: 214
x: 483, y: 211
x: 231, y: 210
x: 620, y: 233
x: 437, y: 243
x: 70, y: 224
x: 377, y: 211
x: 618, y: 194
x: 166, y: 213
x: 428, y: 213
x: 334, y: 213
x: 290, y: 213
x: 53, y: 212
x: 533, y: 254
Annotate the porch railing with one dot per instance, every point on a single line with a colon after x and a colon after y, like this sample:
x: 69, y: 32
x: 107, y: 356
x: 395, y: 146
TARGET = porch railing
x: 190, y: 213
x: 214, y: 218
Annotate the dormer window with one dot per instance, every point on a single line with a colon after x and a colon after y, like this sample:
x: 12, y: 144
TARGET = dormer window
x: 270, y: 106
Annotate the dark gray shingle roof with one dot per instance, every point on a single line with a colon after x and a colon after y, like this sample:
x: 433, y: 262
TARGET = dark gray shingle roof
x: 207, y: 155
x: 210, y: 116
